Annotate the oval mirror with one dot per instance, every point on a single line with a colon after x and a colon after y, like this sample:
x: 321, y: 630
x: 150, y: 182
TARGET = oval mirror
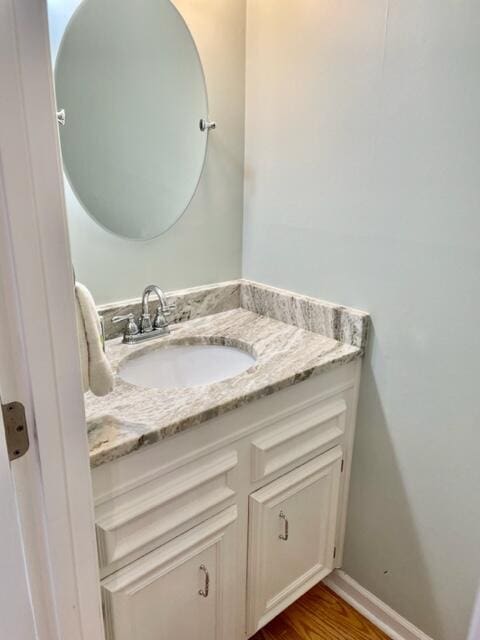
x: 129, y: 77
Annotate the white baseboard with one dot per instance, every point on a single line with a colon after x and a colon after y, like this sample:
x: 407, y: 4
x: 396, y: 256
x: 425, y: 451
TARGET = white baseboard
x: 380, y: 614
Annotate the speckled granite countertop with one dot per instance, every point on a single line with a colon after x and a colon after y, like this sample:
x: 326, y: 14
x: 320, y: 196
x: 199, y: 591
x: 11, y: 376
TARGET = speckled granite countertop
x: 131, y: 417
x: 292, y: 337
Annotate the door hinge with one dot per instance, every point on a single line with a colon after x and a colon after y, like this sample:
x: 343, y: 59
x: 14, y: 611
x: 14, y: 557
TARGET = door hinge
x: 334, y: 552
x: 343, y: 464
x: 16, y: 432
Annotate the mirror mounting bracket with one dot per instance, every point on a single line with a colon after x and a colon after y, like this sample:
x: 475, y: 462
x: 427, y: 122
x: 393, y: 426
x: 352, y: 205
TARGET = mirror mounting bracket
x: 207, y: 125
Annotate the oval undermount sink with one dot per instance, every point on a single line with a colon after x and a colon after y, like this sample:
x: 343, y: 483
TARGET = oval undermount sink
x: 181, y: 365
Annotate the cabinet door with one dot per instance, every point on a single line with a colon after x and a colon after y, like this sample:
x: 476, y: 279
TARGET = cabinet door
x: 291, y: 536
x: 185, y: 590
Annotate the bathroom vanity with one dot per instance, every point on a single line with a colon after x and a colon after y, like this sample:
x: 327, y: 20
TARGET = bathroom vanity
x: 218, y: 505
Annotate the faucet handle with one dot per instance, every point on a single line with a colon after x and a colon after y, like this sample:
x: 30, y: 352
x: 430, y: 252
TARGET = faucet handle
x: 131, y: 328
x: 163, y: 311
x: 169, y: 309
x: 160, y: 320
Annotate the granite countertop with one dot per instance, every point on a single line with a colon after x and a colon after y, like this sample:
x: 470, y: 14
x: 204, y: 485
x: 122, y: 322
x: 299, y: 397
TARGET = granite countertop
x: 131, y: 417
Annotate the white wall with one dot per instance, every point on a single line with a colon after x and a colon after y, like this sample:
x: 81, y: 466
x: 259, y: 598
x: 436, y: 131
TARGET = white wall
x: 363, y: 187
x: 205, y: 245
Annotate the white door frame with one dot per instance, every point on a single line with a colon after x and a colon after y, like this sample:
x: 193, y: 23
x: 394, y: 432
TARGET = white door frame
x: 39, y: 364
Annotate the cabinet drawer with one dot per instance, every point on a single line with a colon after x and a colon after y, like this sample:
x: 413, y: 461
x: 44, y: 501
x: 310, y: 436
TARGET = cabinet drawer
x: 291, y: 536
x: 185, y: 590
x: 301, y: 432
x: 135, y: 522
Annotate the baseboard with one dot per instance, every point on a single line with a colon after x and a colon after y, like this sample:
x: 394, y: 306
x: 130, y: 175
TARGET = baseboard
x: 380, y: 614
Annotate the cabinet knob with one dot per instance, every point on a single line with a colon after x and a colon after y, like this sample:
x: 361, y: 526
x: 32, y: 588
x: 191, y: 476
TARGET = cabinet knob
x: 284, y: 535
x: 204, y: 592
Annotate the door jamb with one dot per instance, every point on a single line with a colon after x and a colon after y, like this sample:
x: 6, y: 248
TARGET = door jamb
x: 40, y: 365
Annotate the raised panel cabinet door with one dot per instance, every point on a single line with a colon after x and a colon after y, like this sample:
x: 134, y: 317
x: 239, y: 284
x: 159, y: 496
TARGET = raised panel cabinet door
x: 184, y: 590
x: 291, y: 536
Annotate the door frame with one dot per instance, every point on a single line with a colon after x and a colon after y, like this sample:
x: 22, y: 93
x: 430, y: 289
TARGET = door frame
x: 39, y: 363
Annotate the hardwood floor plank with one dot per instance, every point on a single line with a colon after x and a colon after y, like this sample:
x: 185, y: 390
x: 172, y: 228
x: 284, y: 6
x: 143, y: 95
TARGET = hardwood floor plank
x: 320, y: 615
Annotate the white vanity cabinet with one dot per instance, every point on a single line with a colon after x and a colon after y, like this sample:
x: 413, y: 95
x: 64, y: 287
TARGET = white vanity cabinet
x: 291, y: 536
x: 184, y: 589
x: 211, y: 533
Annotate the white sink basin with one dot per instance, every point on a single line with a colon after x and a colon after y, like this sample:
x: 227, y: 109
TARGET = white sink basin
x: 177, y: 366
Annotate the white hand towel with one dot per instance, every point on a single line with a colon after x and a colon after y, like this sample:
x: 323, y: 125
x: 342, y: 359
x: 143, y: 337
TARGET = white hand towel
x: 97, y: 374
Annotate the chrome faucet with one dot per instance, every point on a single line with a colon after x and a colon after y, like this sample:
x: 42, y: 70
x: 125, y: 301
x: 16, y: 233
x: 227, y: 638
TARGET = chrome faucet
x: 160, y: 321
x: 145, y: 329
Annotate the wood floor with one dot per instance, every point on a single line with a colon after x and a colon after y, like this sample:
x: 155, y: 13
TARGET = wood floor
x: 320, y: 615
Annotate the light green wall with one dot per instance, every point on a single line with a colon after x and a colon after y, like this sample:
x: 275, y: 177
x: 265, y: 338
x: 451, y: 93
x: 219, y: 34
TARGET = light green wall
x: 205, y: 245
x: 363, y: 187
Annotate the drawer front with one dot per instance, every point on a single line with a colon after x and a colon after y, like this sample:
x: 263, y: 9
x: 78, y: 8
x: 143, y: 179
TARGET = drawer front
x: 308, y: 430
x: 291, y: 536
x: 133, y: 523
x: 185, y: 590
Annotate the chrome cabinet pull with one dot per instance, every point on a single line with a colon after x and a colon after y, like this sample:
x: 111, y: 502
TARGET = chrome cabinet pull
x: 284, y: 535
x: 204, y: 592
